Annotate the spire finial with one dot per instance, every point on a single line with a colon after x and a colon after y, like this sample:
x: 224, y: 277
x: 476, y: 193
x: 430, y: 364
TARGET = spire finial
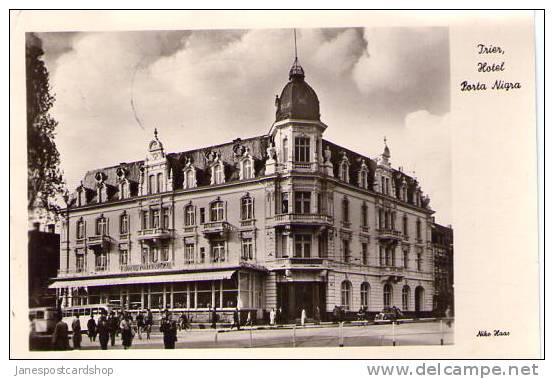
x: 156, y: 133
x: 295, y: 49
x: 385, y: 139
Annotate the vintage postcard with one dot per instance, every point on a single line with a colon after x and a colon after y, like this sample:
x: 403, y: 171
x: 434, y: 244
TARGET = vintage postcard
x: 267, y: 184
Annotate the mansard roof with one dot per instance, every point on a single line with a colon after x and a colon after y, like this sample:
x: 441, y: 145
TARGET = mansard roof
x: 227, y: 153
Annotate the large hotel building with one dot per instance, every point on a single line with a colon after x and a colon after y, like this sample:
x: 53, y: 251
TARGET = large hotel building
x: 284, y: 220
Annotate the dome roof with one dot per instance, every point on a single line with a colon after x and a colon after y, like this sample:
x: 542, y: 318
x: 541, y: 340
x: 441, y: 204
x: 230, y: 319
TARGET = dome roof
x: 298, y: 100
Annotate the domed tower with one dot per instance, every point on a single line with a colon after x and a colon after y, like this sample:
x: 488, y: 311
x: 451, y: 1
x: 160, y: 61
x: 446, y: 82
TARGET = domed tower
x: 297, y: 130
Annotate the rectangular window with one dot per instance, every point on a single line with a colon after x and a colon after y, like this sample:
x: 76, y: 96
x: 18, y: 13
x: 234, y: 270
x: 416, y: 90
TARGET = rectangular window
x: 202, y: 215
x: 364, y: 215
x: 381, y: 256
x: 247, y: 208
x: 284, y: 246
x: 302, y: 245
x: 165, y: 218
x: 247, y: 249
x: 145, y: 220
x: 322, y: 245
x: 101, y: 226
x: 155, y: 219
x: 165, y: 254
x: 302, y: 149
x: 151, y: 184
x: 405, y: 225
x: 302, y: 202
x: 101, y: 261
x: 80, y: 230
x: 406, y: 254
x: 218, y: 251
x: 365, y: 260
x: 189, y: 216
x: 80, y: 262
x: 216, y: 211
x: 123, y: 257
x: 189, y: 253
x: 154, y: 254
x: 346, y: 250
x: 285, y: 202
x: 144, y: 255
x: 124, y: 224
x: 419, y: 261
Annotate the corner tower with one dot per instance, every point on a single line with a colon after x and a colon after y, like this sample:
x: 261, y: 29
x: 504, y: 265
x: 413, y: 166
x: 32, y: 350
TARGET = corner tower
x: 297, y: 130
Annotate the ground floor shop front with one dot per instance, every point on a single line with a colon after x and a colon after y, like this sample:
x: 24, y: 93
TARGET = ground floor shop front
x: 288, y: 293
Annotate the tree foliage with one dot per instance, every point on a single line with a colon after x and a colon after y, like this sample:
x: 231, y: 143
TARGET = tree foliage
x: 45, y: 180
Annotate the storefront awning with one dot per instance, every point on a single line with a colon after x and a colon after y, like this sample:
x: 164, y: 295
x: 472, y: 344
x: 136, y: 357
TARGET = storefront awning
x: 172, y: 278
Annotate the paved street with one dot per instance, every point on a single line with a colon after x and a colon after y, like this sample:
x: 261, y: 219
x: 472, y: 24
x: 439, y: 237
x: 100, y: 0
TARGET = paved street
x: 421, y: 333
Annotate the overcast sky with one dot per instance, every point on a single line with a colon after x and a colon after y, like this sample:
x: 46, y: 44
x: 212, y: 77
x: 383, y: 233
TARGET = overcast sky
x: 202, y: 88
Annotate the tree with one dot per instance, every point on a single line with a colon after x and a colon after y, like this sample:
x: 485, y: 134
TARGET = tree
x: 44, y: 177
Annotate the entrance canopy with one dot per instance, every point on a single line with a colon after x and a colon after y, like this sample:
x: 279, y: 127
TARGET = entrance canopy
x: 185, y: 277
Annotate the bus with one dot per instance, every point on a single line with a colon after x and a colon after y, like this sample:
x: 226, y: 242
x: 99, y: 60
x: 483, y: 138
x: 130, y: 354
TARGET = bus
x: 84, y: 312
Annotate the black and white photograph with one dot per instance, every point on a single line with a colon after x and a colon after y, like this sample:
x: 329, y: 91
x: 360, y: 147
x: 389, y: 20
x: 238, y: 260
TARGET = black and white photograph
x: 254, y: 188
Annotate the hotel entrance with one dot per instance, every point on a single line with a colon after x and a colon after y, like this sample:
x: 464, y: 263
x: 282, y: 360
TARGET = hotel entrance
x: 292, y: 297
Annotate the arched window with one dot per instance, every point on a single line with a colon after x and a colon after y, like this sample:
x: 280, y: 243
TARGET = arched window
x: 246, y: 208
x: 216, y: 211
x: 346, y: 294
x: 363, y: 178
x: 190, y: 179
x: 151, y: 184
x: 159, y: 183
x: 190, y: 215
x: 364, y: 294
x: 387, y: 295
x: 405, y: 298
x: 124, y: 190
x: 218, y: 175
x: 344, y: 172
x: 247, y: 169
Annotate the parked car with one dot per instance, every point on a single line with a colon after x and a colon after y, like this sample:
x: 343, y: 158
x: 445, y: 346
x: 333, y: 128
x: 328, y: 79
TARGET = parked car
x: 389, y: 314
x: 42, y: 323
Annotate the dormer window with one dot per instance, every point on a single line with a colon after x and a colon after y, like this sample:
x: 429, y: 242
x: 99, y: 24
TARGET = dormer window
x: 218, y: 175
x: 363, y: 175
x: 247, y: 171
x: 190, y: 178
x: 344, y: 169
x: 102, y: 193
x: 81, y: 196
x: 124, y: 190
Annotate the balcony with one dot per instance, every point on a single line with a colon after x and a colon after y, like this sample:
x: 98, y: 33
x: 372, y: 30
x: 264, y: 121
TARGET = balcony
x: 389, y: 234
x: 392, y: 273
x: 189, y: 230
x: 301, y: 263
x: 98, y: 242
x: 216, y: 229
x: 154, y: 234
x: 297, y: 166
x: 302, y: 219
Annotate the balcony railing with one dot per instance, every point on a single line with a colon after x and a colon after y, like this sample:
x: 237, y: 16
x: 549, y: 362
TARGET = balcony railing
x: 302, y: 218
x: 99, y: 241
x: 154, y: 234
x: 219, y: 228
x: 389, y: 234
x: 189, y: 229
x: 302, y: 166
x: 247, y: 223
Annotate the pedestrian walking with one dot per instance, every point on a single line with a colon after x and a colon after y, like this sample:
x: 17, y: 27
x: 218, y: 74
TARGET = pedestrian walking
x: 279, y: 316
x: 317, y: 315
x: 169, y: 329
x: 148, y: 322
x: 126, y: 328
x: 140, y: 324
x: 91, y: 328
x: 303, y: 317
x: 272, y: 317
x: 184, y: 321
x: 249, y: 318
x: 448, y: 316
x: 114, y: 327
x: 214, y: 318
x: 60, y: 337
x: 103, y: 328
x: 77, y: 336
x: 236, y: 319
